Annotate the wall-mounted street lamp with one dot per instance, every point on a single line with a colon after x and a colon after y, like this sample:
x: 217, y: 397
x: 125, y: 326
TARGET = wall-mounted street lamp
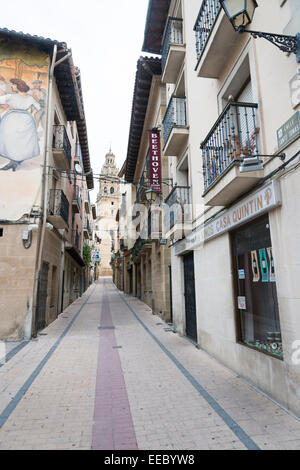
x: 240, y: 14
x: 151, y: 195
x: 253, y: 163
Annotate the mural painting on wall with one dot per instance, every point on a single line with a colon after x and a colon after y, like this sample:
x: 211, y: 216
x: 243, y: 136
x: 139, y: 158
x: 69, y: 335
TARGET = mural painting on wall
x: 23, y: 100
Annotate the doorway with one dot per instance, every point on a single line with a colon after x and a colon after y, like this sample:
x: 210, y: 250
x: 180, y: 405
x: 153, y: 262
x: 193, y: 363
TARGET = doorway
x: 42, y: 302
x: 189, y: 295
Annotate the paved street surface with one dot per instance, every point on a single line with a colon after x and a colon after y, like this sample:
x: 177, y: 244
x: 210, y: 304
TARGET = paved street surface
x: 107, y: 374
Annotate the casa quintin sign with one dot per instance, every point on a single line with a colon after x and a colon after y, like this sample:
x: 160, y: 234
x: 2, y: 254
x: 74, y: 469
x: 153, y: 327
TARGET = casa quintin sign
x: 260, y: 202
x: 267, y: 198
x: 155, y: 160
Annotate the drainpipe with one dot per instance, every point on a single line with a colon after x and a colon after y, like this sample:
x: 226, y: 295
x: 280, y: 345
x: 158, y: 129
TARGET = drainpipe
x: 45, y: 184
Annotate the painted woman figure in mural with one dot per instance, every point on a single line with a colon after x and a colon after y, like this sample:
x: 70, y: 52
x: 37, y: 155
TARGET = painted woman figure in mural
x: 18, y: 133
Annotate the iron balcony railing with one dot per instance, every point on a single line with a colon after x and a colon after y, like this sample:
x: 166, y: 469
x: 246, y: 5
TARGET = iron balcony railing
x: 233, y: 137
x: 61, y: 141
x: 173, y: 37
x: 175, y: 116
x: 59, y: 204
x: 206, y: 18
x: 179, y: 203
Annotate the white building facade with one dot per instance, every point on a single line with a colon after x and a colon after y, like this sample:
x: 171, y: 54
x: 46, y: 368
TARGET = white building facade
x: 235, y: 274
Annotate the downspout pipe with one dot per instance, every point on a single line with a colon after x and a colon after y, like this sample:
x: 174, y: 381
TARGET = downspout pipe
x: 45, y: 185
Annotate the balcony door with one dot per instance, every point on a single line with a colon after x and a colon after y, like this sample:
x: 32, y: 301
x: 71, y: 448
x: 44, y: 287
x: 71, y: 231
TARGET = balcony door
x: 246, y: 123
x: 42, y: 297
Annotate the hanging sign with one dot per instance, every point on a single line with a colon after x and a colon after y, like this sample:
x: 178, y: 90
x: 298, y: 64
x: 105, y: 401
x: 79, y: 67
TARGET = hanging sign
x: 155, y: 160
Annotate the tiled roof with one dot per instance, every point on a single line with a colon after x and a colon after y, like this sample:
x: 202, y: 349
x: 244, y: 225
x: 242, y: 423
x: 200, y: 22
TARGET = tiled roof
x: 146, y: 68
x: 83, y: 138
x: 155, y: 24
x: 45, y: 42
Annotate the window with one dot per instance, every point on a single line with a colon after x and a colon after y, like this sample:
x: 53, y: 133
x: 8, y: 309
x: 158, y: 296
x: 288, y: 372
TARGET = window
x: 105, y: 190
x: 112, y: 190
x: 257, y: 306
x: 1, y: 232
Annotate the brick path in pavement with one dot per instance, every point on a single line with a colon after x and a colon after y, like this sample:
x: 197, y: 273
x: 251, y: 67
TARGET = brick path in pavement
x: 107, y: 374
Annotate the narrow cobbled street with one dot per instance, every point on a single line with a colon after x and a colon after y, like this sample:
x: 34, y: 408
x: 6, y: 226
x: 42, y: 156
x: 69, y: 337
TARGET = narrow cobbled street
x: 107, y: 374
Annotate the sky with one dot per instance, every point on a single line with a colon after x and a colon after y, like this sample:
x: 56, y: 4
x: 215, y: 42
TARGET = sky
x: 106, y: 38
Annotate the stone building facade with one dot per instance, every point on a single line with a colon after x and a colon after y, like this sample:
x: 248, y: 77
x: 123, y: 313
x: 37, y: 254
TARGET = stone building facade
x: 44, y: 202
x: 108, y: 204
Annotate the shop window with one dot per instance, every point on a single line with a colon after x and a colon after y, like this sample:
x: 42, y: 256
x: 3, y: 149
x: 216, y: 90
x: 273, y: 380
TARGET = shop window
x: 257, y: 306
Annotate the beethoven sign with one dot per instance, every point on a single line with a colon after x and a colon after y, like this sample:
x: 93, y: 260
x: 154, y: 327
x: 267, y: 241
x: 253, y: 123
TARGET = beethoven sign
x: 155, y: 160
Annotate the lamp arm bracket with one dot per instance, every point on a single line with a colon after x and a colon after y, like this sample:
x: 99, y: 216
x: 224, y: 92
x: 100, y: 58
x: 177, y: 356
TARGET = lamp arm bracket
x: 284, y: 42
x: 282, y: 156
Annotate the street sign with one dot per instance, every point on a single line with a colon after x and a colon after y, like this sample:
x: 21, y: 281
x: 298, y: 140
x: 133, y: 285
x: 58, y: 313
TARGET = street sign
x: 289, y: 131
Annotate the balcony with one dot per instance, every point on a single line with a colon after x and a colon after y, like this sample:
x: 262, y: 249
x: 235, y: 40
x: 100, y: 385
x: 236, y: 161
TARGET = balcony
x: 140, y: 247
x: 76, y: 200
x: 178, y: 212
x: 61, y: 148
x: 215, y: 39
x: 233, y: 137
x: 58, y: 209
x: 173, y: 50
x: 87, y: 231
x: 87, y: 206
x: 94, y: 212
x: 175, y: 130
x: 76, y: 240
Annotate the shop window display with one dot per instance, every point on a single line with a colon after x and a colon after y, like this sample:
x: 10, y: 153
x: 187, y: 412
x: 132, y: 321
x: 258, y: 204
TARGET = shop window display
x: 258, y: 315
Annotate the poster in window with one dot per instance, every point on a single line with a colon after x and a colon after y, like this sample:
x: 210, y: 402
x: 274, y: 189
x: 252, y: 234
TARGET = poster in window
x: 242, y: 303
x: 264, y: 265
x: 255, y: 268
x: 272, y: 277
x: 242, y: 274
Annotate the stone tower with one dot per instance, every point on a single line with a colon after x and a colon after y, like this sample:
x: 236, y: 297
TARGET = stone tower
x: 108, y: 204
